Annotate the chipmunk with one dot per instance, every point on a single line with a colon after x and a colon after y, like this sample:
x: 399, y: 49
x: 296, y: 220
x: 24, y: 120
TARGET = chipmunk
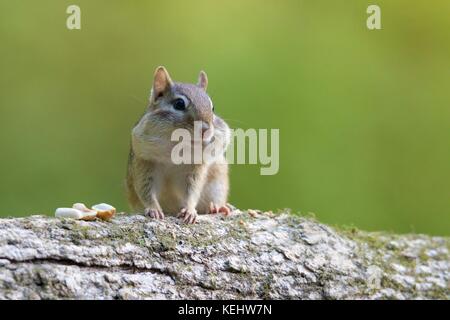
x: 154, y: 183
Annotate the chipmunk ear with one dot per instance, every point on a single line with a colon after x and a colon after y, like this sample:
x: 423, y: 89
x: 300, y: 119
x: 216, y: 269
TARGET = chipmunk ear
x: 161, y: 82
x: 202, y: 80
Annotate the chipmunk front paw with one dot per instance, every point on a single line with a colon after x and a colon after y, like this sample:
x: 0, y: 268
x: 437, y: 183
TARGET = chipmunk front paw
x: 188, y: 215
x: 213, y: 208
x: 154, y: 213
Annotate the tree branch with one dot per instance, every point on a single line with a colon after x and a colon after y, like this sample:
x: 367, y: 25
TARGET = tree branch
x: 240, y: 257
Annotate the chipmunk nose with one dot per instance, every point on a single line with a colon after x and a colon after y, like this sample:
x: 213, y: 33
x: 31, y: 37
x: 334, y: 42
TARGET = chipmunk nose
x: 207, y: 131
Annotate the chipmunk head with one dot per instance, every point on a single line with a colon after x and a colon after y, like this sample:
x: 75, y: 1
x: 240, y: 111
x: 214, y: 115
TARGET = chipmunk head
x: 180, y: 104
x: 175, y: 105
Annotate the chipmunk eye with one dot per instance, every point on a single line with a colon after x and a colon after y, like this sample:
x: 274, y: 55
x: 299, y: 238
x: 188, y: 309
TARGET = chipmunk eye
x: 179, y: 104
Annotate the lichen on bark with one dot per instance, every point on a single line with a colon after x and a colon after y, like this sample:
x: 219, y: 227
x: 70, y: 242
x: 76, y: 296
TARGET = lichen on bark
x: 262, y: 256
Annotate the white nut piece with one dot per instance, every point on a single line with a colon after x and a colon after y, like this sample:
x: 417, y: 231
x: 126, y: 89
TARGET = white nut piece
x: 81, y: 207
x: 88, y: 214
x: 69, y: 213
x: 104, y: 211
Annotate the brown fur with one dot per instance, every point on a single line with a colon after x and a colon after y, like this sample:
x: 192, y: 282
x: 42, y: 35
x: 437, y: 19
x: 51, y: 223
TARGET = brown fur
x: 154, y: 183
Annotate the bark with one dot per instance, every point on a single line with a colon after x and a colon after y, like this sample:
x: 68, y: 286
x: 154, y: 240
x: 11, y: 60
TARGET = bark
x: 262, y: 256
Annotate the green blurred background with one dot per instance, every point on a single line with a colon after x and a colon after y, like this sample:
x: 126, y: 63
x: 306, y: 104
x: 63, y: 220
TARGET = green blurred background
x: 364, y: 116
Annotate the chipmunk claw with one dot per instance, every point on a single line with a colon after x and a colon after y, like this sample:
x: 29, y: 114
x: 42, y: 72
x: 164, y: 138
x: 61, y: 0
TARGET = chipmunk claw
x: 188, y: 216
x: 213, y: 209
x: 154, y: 213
